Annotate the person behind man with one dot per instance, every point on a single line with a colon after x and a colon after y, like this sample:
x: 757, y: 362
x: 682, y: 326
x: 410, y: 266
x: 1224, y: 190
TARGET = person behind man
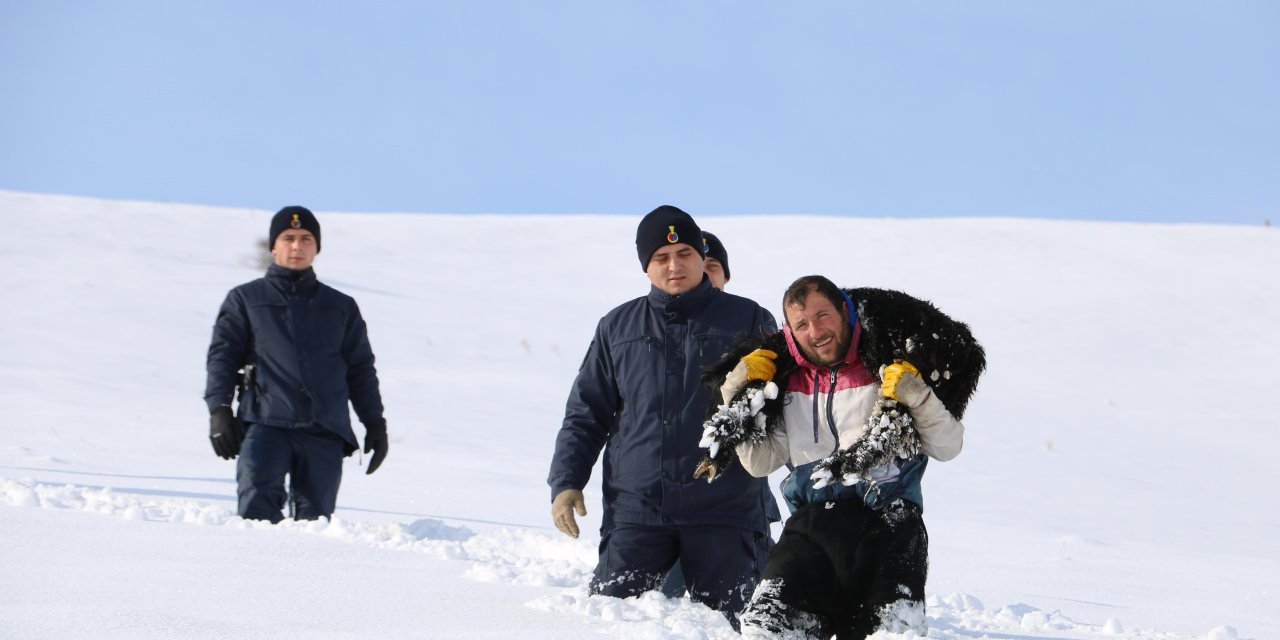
x: 297, y: 350
x: 717, y: 262
x: 638, y: 398
x: 851, y: 559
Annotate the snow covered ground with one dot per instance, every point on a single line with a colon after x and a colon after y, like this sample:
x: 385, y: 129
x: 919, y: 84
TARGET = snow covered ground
x: 1116, y: 480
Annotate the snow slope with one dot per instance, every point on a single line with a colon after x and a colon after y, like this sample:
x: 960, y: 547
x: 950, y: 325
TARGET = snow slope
x: 1116, y: 479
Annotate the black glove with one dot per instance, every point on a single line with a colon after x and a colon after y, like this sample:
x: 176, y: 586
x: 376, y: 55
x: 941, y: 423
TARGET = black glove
x: 226, y: 432
x: 375, y: 440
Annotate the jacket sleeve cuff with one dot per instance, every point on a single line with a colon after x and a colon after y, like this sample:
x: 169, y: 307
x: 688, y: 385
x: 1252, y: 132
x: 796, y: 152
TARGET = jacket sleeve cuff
x: 558, y: 489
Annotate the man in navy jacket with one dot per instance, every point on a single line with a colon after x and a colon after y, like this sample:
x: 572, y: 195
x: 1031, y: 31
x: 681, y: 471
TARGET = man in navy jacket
x: 298, y: 350
x: 638, y: 398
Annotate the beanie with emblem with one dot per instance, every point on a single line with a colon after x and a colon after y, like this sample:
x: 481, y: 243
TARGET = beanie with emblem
x: 664, y: 226
x: 293, y: 217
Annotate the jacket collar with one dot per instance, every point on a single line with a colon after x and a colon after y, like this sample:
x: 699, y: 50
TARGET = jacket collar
x: 292, y: 280
x: 684, y: 305
x: 850, y: 356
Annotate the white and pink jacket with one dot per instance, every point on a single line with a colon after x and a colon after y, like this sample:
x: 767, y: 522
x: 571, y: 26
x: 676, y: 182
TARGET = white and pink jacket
x: 826, y: 408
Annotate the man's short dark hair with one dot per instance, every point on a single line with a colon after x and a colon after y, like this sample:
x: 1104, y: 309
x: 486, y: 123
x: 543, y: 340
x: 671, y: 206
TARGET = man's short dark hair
x: 799, y: 290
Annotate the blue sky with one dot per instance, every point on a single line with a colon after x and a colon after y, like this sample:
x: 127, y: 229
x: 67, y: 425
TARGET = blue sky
x: 1125, y: 110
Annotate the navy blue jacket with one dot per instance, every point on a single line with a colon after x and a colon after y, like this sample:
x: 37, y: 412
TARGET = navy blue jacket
x: 310, y: 350
x: 638, y: 397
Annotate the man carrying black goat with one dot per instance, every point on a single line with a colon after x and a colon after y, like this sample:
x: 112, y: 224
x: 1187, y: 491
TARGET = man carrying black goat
x: 855, y: 420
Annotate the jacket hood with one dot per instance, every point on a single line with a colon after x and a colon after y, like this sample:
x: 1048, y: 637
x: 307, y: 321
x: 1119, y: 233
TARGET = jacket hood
x: 685, y: 304
x: 292, y: 280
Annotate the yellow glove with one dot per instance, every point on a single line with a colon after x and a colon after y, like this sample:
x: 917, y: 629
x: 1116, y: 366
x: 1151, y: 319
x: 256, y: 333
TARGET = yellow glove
x: 891, y: 375
x: 759, y: 364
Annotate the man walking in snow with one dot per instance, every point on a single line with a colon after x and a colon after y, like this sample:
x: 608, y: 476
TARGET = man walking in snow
x: 298, y: 351
x: 638, y: 398
x: 853, y: 556
x: 716, y: 266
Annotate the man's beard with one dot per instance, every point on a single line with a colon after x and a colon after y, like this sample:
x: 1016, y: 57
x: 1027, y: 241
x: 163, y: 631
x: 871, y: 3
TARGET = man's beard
x: 842, y: 347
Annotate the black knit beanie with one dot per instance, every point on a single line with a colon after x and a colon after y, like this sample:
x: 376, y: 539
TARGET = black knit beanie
x: 715, y: 249
x: 664, y: 226
x: 293, y: 217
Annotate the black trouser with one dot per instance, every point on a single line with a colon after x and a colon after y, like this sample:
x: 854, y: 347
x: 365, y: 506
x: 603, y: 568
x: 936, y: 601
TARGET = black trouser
x: 673, y: 585
x: 838, y: 566
x: 312, y: 458
x: 721, y: 564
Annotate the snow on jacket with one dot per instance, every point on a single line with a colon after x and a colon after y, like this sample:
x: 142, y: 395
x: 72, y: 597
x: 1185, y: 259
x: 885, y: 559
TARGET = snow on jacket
x: 309, y: 348
x: 825, y: 409
x: 637, y: 396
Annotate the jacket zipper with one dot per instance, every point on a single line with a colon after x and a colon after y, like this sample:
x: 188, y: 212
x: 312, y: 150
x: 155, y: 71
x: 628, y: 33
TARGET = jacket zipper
x: 817, y: 415
x: 831, y: 416
x: 831, y: 401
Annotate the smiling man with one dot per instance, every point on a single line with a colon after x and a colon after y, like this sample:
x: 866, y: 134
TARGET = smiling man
x: 638, y: 399
x: 298, y: 351
x: 852, y: 558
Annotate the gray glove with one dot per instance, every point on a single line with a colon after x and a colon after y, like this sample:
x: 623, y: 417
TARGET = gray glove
x: 562, y: 508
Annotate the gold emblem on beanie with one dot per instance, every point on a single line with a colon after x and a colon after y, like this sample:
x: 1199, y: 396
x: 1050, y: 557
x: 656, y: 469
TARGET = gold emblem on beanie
x: 296, y: 224
x: 673, y: 237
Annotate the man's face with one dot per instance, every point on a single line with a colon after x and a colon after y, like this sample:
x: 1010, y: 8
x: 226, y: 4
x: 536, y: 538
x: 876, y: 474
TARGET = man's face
x: 675, y: 269
x: 715, y: 272
x: 820, y: 330
x: 295, y: 249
